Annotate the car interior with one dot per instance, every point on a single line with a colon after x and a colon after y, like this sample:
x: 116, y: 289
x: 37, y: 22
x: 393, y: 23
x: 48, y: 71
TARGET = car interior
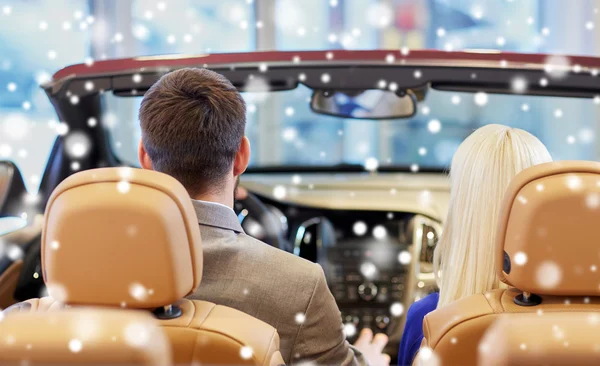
x: 372, y: 226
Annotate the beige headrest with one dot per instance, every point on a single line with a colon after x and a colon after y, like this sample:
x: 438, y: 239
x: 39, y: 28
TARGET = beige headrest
x: 83, y: 337
x: 121, y: 237
x: 548, y: 228
x: 568, y: 338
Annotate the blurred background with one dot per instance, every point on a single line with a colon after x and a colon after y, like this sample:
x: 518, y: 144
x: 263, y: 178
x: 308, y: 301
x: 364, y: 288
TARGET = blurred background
x: 38, y: 37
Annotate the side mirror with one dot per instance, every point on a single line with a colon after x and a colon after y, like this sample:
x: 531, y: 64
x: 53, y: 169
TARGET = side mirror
x: 12, y: 190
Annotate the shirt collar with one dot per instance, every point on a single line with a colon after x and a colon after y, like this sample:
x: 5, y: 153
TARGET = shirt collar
x: 217, y: 215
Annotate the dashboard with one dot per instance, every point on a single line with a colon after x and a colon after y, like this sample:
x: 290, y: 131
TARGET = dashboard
x: 377, y: 262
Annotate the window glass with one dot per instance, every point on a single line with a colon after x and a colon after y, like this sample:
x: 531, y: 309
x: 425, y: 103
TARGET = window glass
x: 37, y: 38
x: 297, y: 136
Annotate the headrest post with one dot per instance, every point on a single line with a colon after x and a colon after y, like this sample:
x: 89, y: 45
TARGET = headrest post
x: 168, y: 312
x: 527, y: 299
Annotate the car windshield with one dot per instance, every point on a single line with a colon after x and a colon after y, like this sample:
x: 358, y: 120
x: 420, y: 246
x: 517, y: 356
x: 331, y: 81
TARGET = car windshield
x: 285, y: 132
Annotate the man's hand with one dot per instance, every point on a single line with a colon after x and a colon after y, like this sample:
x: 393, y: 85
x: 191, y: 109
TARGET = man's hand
x: 241, y: 193
x: 372, y: 347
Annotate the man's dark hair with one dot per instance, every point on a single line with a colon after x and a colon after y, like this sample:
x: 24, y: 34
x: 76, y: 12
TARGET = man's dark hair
x: 192, y: 123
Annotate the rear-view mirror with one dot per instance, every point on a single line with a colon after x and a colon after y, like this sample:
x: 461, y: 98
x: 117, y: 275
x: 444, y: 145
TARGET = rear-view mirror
x: 364, y: 104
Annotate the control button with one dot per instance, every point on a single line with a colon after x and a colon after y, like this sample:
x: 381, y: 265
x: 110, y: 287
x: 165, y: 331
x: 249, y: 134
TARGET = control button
x: 352, y: 294
x: 397, y: 279
x: 397, y: 287
x: 352, y: 319
x: 367, y: 291
x: 353, y: 277
x: 383, y: 295
x: 382, y: 321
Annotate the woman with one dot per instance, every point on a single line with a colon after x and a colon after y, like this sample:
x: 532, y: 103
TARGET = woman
x: 463, y: 261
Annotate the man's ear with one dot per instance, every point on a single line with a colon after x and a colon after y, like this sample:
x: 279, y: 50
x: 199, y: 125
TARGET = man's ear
x: 242, y: 157
x: 143, y: 157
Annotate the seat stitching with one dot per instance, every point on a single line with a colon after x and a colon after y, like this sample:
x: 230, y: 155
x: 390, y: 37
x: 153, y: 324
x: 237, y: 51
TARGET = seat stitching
x: 215, y: 331
x: 208, y: 314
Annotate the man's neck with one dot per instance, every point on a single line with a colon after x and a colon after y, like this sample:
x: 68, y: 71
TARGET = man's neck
x: 223, y: 199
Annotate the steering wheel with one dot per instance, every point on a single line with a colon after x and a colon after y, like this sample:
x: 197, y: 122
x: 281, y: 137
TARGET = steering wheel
x: 259, y: 222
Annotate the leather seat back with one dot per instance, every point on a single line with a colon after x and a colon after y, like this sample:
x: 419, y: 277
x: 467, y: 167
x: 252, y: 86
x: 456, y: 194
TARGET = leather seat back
x: 129, y: 238
x: 83, y: 337
x: 545, y: 248
x: 553, y: 339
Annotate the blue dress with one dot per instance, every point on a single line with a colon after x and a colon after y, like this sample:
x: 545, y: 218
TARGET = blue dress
x: 413, y: 330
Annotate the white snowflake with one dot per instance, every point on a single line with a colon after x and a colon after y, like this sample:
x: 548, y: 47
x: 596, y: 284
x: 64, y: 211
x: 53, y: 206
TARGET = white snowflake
x: 289, y: 134
x: 557, y: 66
x: 138, y: 291
x: 379, y: 232
x: 380, y: 15
x: 371, y: 164
x: 246, y: 352
x: 75, y: 345
x: 525, y: 107
x: 359, y: 228
x: 519, y: 85
x: 123, y: 187
x: 434, y: 126
x: 417, y: 74
x: 404, y: 257
x: 481, y: 98
x: 548, y: 275
x: 325, y: 78
x: 441, y: 32
x: 368, y: 270
x: 77, y: 145
x: 137, y: 334
x: 520, y: 258
x: 558, y: 113
x: 349, y: 330
x: 477, y: 12
x: 279, y: 192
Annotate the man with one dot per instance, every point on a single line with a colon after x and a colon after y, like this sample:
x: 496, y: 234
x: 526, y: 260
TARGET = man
x: 193, y: 124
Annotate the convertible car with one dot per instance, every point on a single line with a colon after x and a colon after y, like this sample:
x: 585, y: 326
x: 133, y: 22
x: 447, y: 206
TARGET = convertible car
x: 350, y: 153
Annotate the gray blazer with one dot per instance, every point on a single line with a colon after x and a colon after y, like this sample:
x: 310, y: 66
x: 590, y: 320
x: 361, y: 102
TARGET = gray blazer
x: 273, y: 286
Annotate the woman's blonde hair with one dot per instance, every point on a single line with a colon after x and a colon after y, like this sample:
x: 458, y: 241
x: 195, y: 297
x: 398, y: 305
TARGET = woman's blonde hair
x: 481, y: 170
